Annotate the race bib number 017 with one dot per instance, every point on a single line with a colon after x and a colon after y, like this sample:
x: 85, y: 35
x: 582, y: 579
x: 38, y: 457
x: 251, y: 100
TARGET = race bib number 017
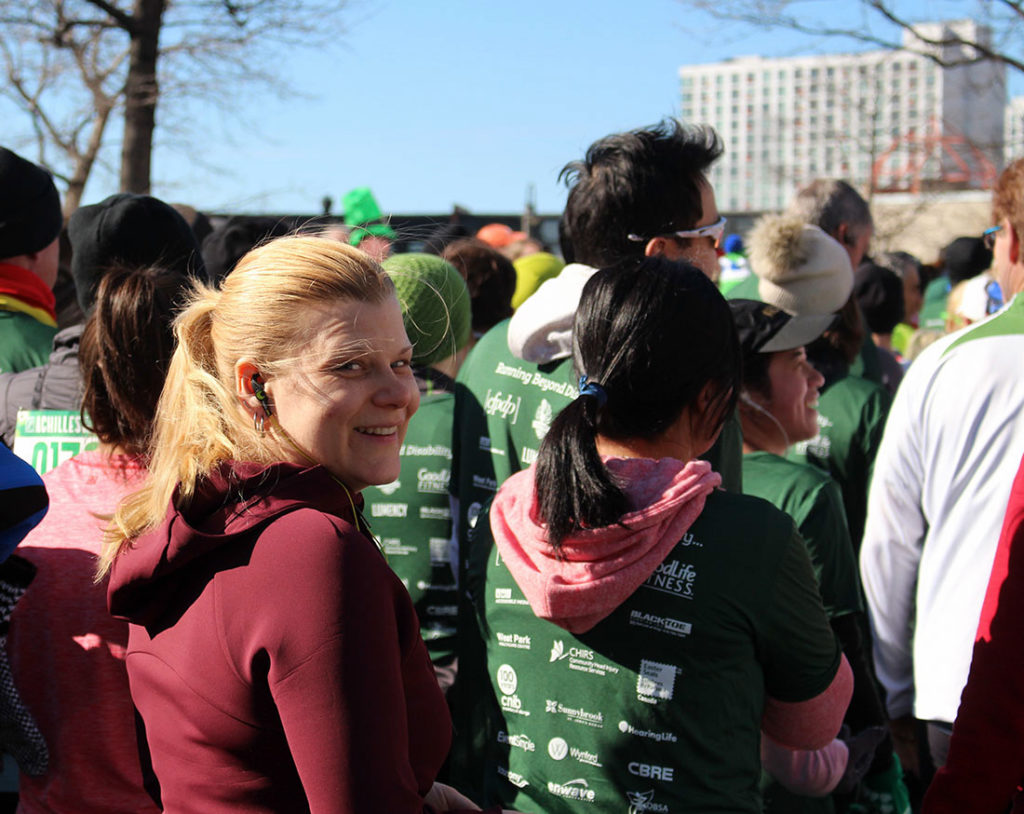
x: 47, y: 438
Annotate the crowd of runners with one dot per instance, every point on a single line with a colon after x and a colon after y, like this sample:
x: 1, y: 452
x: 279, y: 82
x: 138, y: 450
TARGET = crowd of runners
x: 661, y: 519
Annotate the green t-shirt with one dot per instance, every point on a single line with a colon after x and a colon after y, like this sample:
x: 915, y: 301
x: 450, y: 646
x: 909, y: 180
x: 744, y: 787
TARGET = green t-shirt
x: 504, y: 407
x: 815, y: 503
x: 411, y: 518
x: 745, y: 289
x: 867, y: 365
x: 25, y: 342
x: 659, y: 706
x: 933, y: 310
x: 851, y: 418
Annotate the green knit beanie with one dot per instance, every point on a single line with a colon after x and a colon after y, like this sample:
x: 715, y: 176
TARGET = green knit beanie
x: 435, y: 305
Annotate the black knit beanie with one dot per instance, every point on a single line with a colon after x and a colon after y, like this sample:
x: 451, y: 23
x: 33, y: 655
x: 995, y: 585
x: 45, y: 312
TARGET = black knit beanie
x: 229, y: 243
x: 966, y: 257
x: 137, y: 230
x: 30, y: 217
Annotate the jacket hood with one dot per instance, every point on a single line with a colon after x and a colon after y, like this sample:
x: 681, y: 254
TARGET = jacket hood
x: 541, y: 328
x: 68, y: 339
x: 233, y: 500
x: 599, y: 568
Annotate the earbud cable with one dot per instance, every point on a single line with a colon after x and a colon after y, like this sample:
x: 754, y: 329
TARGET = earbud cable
x: 361, y: 522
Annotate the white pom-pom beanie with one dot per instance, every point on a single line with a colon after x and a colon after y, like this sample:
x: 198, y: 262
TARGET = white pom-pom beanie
x: 801, y: 269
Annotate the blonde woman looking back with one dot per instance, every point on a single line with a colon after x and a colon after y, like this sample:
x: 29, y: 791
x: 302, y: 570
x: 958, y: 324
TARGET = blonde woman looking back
x: 274, y: 658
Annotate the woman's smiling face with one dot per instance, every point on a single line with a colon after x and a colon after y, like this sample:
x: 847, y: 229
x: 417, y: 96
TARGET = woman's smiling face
x: 794, y: 394
x: 350, y: 397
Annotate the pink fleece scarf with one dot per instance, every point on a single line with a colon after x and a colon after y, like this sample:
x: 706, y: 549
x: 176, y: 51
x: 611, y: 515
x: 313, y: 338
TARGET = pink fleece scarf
x: 601, y: 567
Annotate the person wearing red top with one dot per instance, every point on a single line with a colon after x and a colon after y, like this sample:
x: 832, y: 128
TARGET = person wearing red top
x: 274, y: 658
x: 985, y: 766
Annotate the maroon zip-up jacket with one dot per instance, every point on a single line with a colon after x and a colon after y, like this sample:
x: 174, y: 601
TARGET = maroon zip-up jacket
x: 275, y: 660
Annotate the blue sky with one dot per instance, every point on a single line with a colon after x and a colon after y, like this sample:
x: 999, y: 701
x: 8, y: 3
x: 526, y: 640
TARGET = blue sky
x: 455, y: 102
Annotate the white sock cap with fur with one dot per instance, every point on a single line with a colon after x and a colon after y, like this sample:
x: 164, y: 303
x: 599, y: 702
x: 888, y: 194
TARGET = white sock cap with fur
x: 801, y: 269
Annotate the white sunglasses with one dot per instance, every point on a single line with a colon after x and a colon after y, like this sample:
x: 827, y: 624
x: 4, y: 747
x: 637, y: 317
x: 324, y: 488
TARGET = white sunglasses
x: 713, y: 230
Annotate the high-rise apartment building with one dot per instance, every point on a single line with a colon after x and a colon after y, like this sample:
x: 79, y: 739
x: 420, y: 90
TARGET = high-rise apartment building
x: 1013, y: 141
x: 888, y: 120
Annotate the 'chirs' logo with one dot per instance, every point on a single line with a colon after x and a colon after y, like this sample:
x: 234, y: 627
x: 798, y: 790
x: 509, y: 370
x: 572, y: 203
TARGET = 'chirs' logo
x: 580, y: 659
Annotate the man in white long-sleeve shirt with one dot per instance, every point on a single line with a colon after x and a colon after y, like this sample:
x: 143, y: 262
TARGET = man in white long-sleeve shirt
x: 953, y: 440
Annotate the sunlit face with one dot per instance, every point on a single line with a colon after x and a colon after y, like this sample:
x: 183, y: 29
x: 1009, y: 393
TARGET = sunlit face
x: 794, y: 399
x: 1009, y: 272
x: 700, y: 251
x: 349, y: 400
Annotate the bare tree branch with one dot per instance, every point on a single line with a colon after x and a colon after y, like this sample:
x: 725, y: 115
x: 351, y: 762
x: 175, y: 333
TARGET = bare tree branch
x: 123, y: 19
x: 70, y: 67
x: 772, y: 14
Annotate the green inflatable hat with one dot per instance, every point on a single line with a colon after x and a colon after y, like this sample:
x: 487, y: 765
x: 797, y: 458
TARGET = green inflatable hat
x: 363, y: 215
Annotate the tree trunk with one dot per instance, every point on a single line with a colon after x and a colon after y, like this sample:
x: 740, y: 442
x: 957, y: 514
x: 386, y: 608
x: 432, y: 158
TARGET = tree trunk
x: 141, y: 96
x: 84, y: 161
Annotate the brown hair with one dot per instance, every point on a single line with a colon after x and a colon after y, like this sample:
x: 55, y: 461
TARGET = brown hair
x: 844, y: 338
x: 490, y: 277
x: 1008, y: 197
x: 124, y: 353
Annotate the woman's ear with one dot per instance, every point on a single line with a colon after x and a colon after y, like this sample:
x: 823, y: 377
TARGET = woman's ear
x: 245, y: 369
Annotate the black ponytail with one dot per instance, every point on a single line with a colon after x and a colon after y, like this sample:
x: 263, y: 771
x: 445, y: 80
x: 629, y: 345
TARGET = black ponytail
x: 572, y: 481
x: 652, y: 334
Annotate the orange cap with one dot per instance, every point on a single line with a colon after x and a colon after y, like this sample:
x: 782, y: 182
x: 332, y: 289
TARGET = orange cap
x: 498, y: 235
